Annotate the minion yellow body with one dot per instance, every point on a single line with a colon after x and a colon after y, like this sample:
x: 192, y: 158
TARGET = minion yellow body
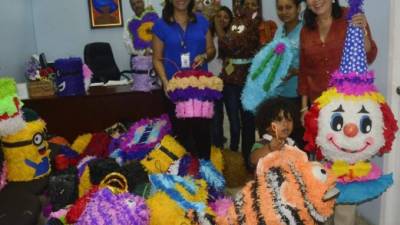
x: 165, y: 210
x: 27, y: 152
x: 163, y: 155
x: 217, y: 158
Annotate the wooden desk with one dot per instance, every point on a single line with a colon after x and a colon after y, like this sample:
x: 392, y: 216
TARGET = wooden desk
x: 74, y: 115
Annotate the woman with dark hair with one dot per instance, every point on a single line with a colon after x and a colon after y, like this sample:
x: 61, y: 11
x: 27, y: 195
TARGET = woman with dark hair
x: 222, y: 20
x: 182, y: 41
x: 219, y: 28
x: 321, y: 44
x: 288, y: 13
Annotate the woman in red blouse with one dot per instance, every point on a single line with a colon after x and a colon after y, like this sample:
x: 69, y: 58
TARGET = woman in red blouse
x: 321, y: 44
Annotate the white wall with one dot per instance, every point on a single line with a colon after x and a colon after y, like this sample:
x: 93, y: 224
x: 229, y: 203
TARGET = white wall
x: 379, y: 22
x: 391, y: 200
x: 62, y: 29
x: 17, y: 39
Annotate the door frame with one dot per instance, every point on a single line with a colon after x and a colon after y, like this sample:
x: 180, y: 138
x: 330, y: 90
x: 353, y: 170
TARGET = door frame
x: 390, y: 202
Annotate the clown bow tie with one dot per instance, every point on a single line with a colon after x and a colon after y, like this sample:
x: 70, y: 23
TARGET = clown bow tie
x: 360, y: 169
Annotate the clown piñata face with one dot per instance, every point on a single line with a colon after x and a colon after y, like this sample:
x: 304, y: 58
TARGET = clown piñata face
x: 351, y: 130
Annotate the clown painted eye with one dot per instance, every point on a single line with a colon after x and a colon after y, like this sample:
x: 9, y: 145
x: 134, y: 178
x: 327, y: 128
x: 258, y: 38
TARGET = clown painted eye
x: 365, y: 124
x: 320, y: 173
x: 337, y: 122
x: 240, y: 28
x: 37, y: 139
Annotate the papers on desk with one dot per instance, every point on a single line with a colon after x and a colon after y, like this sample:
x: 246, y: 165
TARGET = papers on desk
x: 116, y: 82
x: 22, y: 90
x: 111, y: 83
x: 96, y: 84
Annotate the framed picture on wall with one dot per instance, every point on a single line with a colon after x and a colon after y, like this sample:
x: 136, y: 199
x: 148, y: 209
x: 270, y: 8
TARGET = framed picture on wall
x: 105, y: 13
x: 237, y: 4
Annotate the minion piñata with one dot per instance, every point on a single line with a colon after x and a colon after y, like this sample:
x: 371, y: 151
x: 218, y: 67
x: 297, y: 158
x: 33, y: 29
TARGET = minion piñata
x: 27, y: 151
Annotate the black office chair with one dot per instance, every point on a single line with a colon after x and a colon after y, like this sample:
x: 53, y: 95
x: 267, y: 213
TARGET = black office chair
x: 100, y: 59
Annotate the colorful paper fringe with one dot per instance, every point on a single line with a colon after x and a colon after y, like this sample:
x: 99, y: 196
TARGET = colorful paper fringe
x: 288, y: 189
x: 163, y: 155
x: 268, y: 68
x: 143, y: 136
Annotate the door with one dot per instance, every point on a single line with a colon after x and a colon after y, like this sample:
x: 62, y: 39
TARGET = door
x: 391, y: 200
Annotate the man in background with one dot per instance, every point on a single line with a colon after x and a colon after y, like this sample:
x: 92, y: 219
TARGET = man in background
x: 138, y: 8
x: 137, y: 38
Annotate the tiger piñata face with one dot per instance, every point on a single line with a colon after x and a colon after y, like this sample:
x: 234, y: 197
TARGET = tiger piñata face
x: 288, y: 189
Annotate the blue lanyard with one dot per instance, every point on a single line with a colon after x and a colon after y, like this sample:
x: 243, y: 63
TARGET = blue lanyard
x: 182, y: 36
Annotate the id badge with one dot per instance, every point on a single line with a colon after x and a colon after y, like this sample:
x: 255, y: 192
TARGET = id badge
x: 185, y: 60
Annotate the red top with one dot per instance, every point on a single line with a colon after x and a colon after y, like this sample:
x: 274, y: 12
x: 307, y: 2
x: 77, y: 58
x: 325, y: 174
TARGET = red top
x: 267, y: 31
x: 318, y: 60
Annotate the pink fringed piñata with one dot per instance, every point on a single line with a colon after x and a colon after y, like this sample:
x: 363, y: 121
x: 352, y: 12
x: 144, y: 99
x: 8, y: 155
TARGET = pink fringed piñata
x: 194, y: 93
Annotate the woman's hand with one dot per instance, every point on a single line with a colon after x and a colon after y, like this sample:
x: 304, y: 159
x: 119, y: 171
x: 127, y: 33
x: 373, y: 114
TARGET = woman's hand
x: 199, y: 60
x: 287, y: 77
x: 359, y: 20
x: 291, y: 73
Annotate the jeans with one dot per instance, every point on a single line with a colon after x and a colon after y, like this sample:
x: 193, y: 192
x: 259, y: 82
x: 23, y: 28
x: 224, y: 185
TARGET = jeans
x: 240, y: 121
x: 217, y: 131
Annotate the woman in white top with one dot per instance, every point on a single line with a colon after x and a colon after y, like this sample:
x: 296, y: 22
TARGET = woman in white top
x: 222, y: 22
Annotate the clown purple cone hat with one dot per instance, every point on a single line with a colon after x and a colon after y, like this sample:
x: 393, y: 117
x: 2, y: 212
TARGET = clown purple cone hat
x: 351, y: 122
x: 353, y: 77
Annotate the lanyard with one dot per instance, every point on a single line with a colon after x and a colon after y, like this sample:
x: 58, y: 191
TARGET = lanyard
x: 182, y: 36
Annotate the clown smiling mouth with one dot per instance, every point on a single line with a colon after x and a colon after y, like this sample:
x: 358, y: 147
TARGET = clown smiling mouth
x: 348, y: 150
